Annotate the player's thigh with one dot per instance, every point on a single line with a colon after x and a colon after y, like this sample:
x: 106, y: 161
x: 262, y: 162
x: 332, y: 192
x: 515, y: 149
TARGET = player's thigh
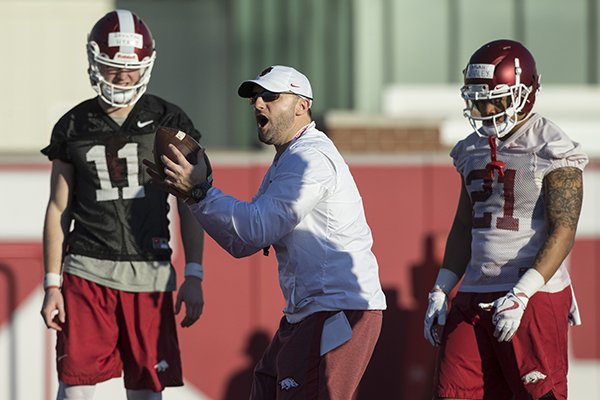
x: 467, y: 366
x: 86, y: 347
x: 541, y: 346
x: 148, y: 341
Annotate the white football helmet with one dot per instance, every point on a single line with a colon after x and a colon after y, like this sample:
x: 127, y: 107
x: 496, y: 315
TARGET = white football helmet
x: 499, y: 69
x: 121, y: 40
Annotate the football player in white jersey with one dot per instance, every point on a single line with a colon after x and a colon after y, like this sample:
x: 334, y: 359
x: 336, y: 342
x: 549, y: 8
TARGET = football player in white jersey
x: 505, y: 336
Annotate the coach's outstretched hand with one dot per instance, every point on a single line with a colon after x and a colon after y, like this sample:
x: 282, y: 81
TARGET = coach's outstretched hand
x: 179, y: 176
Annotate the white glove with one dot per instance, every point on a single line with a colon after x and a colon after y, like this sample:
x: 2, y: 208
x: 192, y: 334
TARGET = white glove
x: 438, y: 304
x: 508, y: 314
x: 435, y: 315
x: 574, y: 317
x: 510, y: 308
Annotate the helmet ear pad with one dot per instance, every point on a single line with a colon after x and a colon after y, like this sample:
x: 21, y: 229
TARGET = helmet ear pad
x: 120, y: 40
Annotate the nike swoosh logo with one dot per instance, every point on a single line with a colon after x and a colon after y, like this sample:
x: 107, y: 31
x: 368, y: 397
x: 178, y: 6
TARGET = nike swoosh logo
x: 294, y: 85
x: 141, y: 124
x: 513, y: 307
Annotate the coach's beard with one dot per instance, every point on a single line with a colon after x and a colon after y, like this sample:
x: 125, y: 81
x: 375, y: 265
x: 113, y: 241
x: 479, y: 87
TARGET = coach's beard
x: 273, y: 131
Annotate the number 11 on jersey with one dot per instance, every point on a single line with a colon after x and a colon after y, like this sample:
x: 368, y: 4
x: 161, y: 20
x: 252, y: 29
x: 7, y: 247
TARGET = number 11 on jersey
x: 133, y: 190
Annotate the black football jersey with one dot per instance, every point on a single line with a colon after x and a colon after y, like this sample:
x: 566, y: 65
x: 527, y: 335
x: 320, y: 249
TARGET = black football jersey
x: 118, y: 214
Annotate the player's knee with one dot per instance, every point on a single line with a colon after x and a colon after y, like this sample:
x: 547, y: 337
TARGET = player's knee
x: 75, y: 392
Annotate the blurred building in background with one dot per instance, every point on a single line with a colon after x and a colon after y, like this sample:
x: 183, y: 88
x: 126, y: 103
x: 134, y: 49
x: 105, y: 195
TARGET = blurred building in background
x: 400, y: 59
x: 386, y: 76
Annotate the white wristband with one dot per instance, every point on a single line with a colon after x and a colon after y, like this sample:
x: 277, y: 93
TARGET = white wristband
x: 530, y: 282
x: 194, y: 269
x: 52, y: 279
x: 446, y: 280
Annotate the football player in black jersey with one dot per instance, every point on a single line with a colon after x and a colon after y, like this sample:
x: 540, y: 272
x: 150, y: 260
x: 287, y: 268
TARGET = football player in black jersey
x: 109, y: 281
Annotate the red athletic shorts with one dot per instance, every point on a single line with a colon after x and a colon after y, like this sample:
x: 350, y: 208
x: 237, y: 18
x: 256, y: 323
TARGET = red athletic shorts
x: 292, y: 367
x: 472, y: 364
x: 108, y: 332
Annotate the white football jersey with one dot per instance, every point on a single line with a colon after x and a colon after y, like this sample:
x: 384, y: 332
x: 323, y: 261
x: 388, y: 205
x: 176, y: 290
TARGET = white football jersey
x: 509, y: 225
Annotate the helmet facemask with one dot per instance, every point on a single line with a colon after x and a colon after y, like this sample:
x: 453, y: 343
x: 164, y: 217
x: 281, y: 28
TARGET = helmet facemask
x: 502, y: 122
x: 113, y: 94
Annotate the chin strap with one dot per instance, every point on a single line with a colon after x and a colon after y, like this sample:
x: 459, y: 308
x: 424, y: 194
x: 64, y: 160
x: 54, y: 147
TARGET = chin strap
x: 494, y: 164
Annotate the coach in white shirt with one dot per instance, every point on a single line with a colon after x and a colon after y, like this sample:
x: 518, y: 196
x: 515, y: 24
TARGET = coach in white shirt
x: 309, y: 210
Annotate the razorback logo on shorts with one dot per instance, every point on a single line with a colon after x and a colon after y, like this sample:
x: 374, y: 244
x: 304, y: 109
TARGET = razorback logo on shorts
x: 533, y: 377
x: 288, y: 383
x: 161, y: 366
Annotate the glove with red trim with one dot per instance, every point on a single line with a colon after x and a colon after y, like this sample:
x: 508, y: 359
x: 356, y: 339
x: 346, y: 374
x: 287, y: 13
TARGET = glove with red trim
x: 509, y: 309
x: 508, y: 313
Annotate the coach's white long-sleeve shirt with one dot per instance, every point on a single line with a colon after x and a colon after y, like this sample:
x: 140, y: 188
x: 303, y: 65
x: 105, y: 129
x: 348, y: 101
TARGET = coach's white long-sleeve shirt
x: 309, y: 209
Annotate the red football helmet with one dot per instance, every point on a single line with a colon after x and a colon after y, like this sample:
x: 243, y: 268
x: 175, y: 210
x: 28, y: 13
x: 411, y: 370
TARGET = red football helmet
x: 121, y: 40
x: 502, y: 68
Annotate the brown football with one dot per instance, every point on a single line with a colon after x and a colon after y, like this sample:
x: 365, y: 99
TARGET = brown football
x: 186, y: 144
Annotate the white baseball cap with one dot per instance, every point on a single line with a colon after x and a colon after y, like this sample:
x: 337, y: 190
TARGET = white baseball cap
x: 278, y: 79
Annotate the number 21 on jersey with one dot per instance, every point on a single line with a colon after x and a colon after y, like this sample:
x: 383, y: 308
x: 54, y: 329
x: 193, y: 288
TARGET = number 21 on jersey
x: 505, y: 221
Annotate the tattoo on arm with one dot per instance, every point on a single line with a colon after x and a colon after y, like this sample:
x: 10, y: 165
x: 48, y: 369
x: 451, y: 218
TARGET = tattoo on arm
x: 563, y: 192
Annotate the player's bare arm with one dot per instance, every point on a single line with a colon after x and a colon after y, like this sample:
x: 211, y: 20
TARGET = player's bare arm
x: 190, y: 291
x: 456, y: 257
x: 56, y: 226
x: 563, y: 194
x: 458, y: 246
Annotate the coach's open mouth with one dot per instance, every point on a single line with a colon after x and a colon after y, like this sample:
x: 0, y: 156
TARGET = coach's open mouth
x: 261, y: 120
